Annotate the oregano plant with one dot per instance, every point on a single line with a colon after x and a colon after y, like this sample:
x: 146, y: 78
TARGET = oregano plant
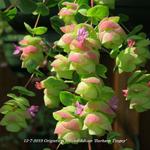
x: 74, y: 86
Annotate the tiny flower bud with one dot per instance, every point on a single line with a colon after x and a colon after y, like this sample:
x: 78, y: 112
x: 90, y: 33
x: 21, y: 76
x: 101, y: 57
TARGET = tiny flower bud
x: 125, y: 92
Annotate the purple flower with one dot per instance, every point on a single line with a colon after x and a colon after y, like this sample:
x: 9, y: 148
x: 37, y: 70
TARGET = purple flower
x: 82, y: 34
x: 17, y: 50
x: 33, y: 110
x: 113, y: 103
x: 79, y: 108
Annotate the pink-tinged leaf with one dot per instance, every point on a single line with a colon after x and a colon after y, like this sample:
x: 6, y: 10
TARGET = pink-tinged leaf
x: 60, y: 129
x: 75, y: 57
x: 92, y: 119
x: 68, y: 28
x: 28, y: 50
x: 71, y: 137
x: 67, y: 38
x: 82, y: 45
x: 108, y: 25
x: 73, y: 124
x: 73, y: 6
x: 24, y: 42
x: 66, y: 12
x: 92, y: 80
x: 60, y: 115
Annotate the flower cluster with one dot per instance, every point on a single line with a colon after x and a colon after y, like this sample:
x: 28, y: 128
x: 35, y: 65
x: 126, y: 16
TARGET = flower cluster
x: 31, y: 49
x: 138, y: 92
x: 135, y: 54
x: 52, y: 87
x: 111, y: 34
x: 68, y: 12
x: 81, y: 43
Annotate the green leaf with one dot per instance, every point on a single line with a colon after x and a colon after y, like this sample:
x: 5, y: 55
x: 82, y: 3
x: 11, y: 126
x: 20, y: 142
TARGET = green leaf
x: 136, y: 30
x: 112, y: 135
x: 26, y: 6
x: 28, y: 28
x: 39, y: 30
x: 23, y: 90
x: 53, y: 83
x: 114, y: 19
x: 75, y: 77
x: 11, y: 95
x: 52, y: 3
x: 83, y: 11
x: 13, y: 127
x: 82, y: 2
x: 135, y: 76
x: 42, y: 9
x: 114, y: 53
x: 10, y: 14
x: 22, y: 101
x: 106, y: 93
x: 143, y: 43
x: 5, y: 109
x: 56, y: 23
x: 101, y: 70
x: 66, y: 98
x: 135, y: 37
x: 123, y: 18
x: 2, y: 4
x: 99, y: 12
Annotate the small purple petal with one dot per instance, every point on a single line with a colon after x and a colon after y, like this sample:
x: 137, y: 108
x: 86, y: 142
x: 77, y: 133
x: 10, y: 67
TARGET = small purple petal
x: 17, y: 50
x: 82, y: 34
x: 79, y: 108
x: 33, y: 110
x: 113, y: 103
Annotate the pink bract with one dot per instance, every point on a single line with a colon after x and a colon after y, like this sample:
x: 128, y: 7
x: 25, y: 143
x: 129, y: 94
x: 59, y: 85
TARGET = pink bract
x: 92, y: 80
x: 71, y: 5
x: 67, y: 38
x: 28, y: 50
x: 92, y: 119
x: 68, y: 28
x: 75, y: 57
x: 66, y: 12
x: 72, y: 124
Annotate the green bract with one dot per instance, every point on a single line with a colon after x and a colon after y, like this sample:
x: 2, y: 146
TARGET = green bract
x: 32, y: 52
x: 52, y: 87
x: 139, y: 91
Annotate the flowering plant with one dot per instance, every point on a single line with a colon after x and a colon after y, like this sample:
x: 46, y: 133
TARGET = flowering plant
x: 76, y: 78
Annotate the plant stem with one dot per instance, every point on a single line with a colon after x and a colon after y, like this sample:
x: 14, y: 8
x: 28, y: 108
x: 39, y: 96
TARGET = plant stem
x: 37, y: 20
x: 11, y: 6
x: 89, y: 146
x: 30, y: 79
x: 58, y: 146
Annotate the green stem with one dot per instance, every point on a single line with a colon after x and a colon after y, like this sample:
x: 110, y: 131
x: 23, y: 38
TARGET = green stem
x: 58, y: 146
x: 37, y: 20
x: 11, y: 6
